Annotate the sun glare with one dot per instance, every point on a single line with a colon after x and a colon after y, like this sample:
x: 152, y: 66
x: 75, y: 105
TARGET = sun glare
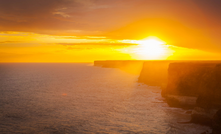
x: 150, y: 49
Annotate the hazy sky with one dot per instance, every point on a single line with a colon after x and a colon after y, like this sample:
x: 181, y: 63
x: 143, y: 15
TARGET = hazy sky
x: 191, y: 24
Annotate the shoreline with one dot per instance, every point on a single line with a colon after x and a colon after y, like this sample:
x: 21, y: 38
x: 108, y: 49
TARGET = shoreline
x: 188, y: 84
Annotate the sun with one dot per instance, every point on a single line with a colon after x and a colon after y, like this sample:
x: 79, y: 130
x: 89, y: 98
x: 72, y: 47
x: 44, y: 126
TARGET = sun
x: 151, y: 48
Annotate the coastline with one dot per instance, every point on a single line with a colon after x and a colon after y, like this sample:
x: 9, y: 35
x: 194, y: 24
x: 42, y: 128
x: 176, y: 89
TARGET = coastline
x: 192, y: 85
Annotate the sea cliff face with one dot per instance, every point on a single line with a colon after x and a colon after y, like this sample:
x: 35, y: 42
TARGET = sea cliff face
x: 185, y: 78
x: 154, y: 73
x: 199, y: 80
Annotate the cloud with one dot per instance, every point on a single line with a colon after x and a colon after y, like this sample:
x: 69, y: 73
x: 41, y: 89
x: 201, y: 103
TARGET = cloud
x: 29, y: 15
x: 4, y: 42
x: 90, y: 16
x: 101, y: 17
x: 97, y: 44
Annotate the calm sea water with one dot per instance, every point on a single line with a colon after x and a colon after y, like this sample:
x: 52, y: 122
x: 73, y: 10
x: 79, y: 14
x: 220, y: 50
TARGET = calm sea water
x: 81, y: 98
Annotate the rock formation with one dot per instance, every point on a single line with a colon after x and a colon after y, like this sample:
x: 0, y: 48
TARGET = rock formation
x: 195, y: 79
x: 154, y: 73
x: 184, y: 78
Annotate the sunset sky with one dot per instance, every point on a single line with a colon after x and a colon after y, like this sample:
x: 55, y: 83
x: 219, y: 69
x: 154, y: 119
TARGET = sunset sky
x: 88, y: 30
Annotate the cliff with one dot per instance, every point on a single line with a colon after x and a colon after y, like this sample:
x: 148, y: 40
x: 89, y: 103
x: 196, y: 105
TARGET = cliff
x: 199, y: 81
x: 196, y: 79
x: 185, y: 78
x: 154, y: 73
x: 130, y: 66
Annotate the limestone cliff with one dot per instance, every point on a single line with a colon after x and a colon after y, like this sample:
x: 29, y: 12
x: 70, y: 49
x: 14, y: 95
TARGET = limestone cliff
x: 154, y: 73
x: 199, y: 79
x: 196, y: 79
x: 184, y: 78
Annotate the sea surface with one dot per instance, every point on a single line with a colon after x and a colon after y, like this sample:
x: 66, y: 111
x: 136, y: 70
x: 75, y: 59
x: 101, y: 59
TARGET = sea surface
x: 66, y: 98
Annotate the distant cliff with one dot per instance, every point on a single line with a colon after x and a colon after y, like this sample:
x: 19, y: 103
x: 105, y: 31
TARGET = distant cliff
x: 130, y: 66
x: 150, y: 72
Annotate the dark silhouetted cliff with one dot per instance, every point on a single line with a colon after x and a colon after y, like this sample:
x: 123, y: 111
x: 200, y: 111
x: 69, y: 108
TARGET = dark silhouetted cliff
x: 199, y: 80
x: 184, y: 78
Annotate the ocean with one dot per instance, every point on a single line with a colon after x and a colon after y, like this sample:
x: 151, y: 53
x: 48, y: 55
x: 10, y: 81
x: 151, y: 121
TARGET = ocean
x: 67, y: 98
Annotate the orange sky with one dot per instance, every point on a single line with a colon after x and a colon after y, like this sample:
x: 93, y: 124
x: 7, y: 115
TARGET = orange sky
x: 88, y: 30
